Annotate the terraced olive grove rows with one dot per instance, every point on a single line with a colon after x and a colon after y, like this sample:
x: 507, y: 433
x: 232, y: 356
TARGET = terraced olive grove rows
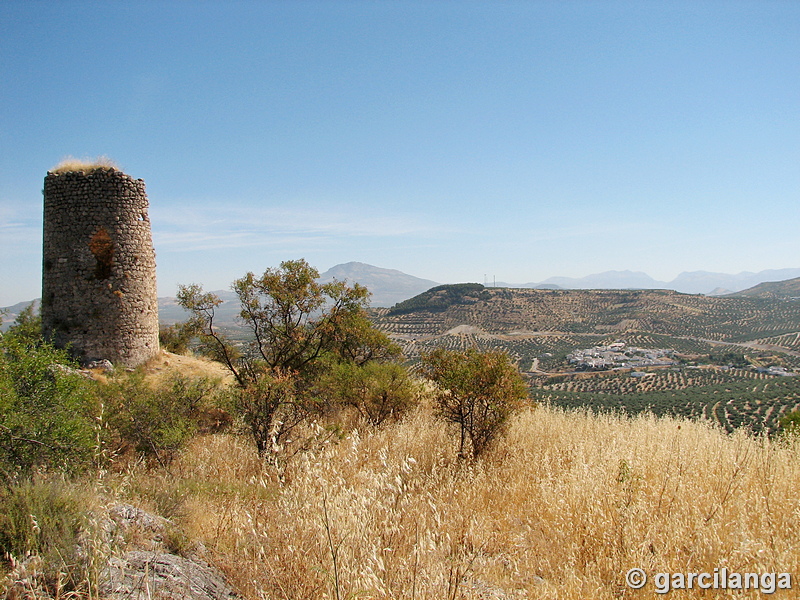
x: 503, y: 310
x: 750, y: 400
x: 540, y: 327
x: 531, y: 323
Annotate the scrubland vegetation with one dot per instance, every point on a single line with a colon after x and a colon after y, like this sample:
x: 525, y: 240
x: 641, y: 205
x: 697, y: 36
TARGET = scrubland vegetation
x: 314, y: 465
x: 561, y: 508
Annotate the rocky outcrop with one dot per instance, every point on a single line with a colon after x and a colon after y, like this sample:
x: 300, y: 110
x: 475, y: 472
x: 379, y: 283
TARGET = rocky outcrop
x: 147, y: 570
x: 141, y: 575
x: 137, y: 564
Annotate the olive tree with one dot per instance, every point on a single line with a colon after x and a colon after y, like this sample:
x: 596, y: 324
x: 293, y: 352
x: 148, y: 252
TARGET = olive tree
x: 298, y: 327
x: 477, y: 391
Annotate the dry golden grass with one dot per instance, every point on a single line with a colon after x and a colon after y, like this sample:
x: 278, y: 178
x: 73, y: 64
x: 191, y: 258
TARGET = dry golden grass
x: 166, y: 364
x: 560, y: 509
x: 70, y: 164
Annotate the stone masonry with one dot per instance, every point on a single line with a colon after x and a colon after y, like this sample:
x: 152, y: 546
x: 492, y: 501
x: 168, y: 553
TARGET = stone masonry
x: 99, y: 271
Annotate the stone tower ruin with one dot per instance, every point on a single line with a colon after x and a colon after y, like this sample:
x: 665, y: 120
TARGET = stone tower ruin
x: 99, y: 271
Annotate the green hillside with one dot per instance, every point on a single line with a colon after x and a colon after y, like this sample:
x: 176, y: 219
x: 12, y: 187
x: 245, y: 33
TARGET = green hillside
x: 540, y: 327
x: 785, y: 290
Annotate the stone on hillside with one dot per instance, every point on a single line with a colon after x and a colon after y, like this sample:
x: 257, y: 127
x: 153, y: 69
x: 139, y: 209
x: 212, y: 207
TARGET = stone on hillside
x: 138, y: 575
x: 103, y: 364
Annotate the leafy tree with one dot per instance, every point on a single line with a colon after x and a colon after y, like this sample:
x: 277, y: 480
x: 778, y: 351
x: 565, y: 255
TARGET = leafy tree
x: 478, y: 392
x: 299, y: 326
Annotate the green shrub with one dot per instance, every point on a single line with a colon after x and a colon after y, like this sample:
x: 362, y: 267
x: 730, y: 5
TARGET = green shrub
x: 478, y: 392
x: 789, y: 424
x: 378, y: 391
x: 272, y: 407
x: 177, y: 337
x: 155, y: 421
x: 27, y: 326
x: 48, y: 411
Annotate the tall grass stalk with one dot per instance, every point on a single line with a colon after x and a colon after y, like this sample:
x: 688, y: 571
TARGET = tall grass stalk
x: 561, y: 508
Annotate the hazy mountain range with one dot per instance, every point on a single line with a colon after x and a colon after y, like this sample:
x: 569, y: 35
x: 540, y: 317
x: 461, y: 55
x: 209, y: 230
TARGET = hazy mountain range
x: 692, y: 282
x: 389, y: 286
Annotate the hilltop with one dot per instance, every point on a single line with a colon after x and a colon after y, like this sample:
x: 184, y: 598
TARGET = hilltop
x: 787, y: 290
x: 733, y: 361
x: 388, y: 286
x: 542, y: 326
x: 562, y: 506
x: 505, y: 310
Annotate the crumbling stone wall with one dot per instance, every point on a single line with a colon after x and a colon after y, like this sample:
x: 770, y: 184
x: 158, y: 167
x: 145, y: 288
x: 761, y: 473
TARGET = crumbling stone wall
x: 99, y: 271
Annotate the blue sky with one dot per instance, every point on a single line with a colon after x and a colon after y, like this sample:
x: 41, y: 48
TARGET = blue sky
x: 449, y: 140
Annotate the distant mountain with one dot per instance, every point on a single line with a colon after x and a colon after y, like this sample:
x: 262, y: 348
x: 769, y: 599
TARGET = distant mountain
x: 703, y: 282
x: 693, y: 282
x: 388, y: 286
x: 719, y: 292
x: 616, y: 280
x: 9, y: 314
x: 789, y: 289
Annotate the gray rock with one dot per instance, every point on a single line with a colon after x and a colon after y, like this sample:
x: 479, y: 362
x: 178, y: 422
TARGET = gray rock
x: 149, y: 530
x: 103, y: 364
x: 138, y: 575
x: 58, y: 369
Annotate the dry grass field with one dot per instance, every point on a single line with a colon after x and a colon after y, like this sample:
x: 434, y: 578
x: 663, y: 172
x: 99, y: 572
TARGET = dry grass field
x: 561, y: 508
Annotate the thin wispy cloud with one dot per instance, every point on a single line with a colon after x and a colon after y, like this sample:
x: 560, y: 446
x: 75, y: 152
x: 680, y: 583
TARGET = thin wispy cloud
x: 20, y: 229
x: 221, y: 226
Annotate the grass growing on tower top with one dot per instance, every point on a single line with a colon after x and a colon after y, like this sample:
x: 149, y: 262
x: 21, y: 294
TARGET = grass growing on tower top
x: 70, y: 164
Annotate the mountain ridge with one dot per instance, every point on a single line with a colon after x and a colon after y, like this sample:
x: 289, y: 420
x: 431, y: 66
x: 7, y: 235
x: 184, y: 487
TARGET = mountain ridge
x: 687, y: 282
x: 788, y: 289
x: 390, y: 286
